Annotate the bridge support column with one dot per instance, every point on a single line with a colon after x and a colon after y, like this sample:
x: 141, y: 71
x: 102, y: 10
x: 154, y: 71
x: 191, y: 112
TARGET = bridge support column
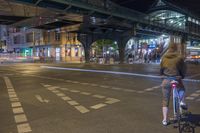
x: 184, y: 41
x: 121, y: 45
x: 86, y: 41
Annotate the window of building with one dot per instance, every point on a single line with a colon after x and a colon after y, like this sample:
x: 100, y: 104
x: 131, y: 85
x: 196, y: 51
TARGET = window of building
x: 29, y: 37
x: 168, y: 17
x: 57, y: 36
x: 16, y: 39
x: 48, y: 36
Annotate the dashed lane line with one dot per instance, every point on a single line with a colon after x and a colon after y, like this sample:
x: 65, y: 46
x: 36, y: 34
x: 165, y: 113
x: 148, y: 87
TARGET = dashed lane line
x: 194, y: 75
x: 82, y: 109
x: 20, y: 118
x: 85, y: 93
x: 98, y: 106
x: 190, y: 98
x: 98, y: 96
x: 91, y: 84
x: 152, y: 88
x: 194, y: 95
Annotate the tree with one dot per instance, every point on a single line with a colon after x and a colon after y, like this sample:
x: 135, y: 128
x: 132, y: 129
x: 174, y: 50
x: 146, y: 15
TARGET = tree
x: 99, y: 44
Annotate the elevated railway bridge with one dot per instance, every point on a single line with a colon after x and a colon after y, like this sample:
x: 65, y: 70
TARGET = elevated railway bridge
x: 102, y: 19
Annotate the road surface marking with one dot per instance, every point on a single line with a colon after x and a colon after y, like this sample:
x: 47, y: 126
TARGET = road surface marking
x: 194, y: 76
x: 41, y: 99
x: 60, y: 94
x: 84, y: 83
x: 75, y: 91
x: 82, y: 109
x: 53, y: 88
x: 16, y: 104
x: 20, y: 118
x: 23, y: 128
x: 104, y: 86
x: 8, y: 83
x: 152, y: 88
x: 64, y: 89
x: 98, y: 106
x: 94, y: 84
x: 85, y: 93
x: 56, y: 91
x: 190, y: 98
x: 101, y: 71
x: 17, y: 109
x: 11, y: 90
x: 116, y: 88
x: 14, y: 99
x: 128, y: 90
x: 111, y: 100
x: 111, y: 72
x: 66, y: 98
x: 195, y: 95
x: 98, y: 96
x: 13, y: 95
x: 47, y: 85
x: 140, y: 92
x: 75, y: 82
x: 73, y: 103
x: 68, y: 80
x: 149, y: 89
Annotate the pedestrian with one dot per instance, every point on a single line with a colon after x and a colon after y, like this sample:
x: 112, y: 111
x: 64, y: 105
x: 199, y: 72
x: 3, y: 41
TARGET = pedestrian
x: 172, y: 65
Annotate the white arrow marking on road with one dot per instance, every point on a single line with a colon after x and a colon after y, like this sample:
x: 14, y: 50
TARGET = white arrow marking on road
x: 41, y: 100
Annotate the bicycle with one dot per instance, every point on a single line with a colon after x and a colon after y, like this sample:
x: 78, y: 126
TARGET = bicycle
x: 177, y: 109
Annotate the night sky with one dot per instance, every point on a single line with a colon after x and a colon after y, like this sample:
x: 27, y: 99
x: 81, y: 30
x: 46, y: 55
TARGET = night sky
x: 143, y: 5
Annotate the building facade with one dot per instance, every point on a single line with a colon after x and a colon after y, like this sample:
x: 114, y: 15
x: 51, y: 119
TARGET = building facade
x: 51, y: 45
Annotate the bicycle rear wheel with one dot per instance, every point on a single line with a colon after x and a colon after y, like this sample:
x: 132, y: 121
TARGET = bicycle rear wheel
x: 177, y: 113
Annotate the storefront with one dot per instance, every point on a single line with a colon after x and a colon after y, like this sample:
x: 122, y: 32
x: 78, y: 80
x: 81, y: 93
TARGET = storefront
x: 74, y: 52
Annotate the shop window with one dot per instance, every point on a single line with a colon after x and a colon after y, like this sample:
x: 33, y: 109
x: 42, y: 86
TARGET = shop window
x: 68, y: 52
x: 76, y: 52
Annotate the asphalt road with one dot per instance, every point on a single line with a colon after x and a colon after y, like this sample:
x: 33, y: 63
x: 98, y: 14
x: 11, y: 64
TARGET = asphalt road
x: 42, y: 98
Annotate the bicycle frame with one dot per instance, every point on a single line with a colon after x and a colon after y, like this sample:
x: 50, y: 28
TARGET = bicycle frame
x: 176, y: 98
x: 176, y: 103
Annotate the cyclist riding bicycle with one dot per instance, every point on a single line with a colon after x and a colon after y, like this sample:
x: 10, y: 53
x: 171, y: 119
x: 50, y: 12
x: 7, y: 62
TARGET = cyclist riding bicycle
x: 172, y: 65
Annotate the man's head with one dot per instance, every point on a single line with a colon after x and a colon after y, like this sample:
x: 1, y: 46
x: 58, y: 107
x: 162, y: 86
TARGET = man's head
x: 172, y: 47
